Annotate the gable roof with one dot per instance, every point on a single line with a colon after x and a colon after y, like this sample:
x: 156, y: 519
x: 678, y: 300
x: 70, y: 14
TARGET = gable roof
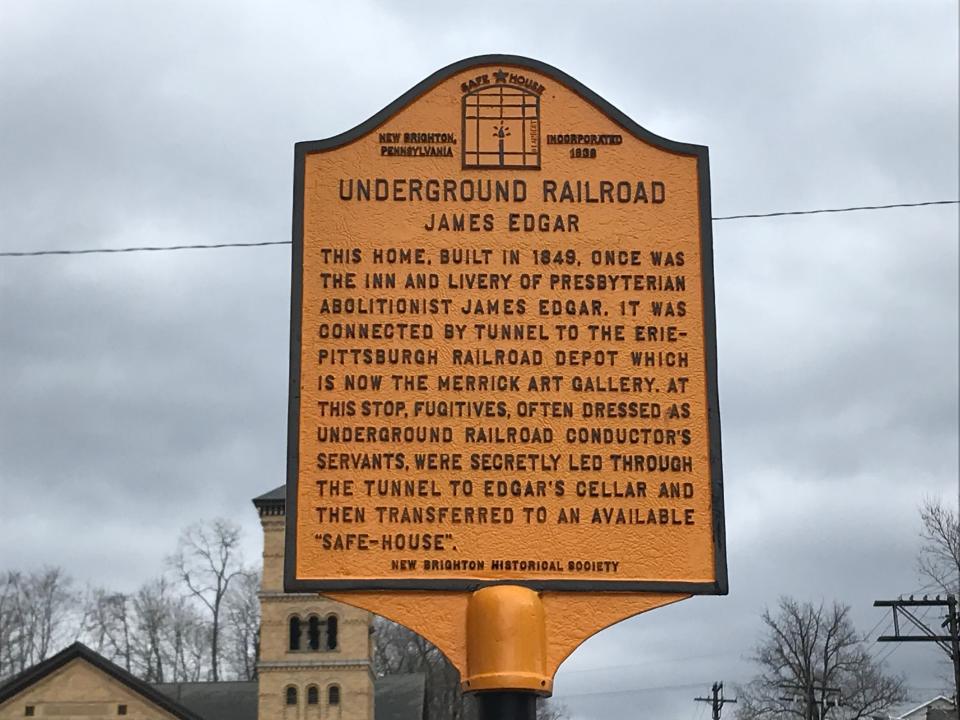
x: 400, y: 697
x: 38, y: 672
x: 911, y: 711
x: 224, y: 700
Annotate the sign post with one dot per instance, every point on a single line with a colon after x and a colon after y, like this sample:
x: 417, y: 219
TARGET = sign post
x: 504, y: 426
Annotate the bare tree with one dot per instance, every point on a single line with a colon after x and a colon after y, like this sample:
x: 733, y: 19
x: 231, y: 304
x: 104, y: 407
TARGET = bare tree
x: 158, y: 633
x: 45, y: 612
x: 106, y: 625
x: 243, y: 625
x: 188, y: 641
x: 52, y: 605
x: 152, y: 633
x: 20, y: 648
x: 153, y: 610
x: 939, y: 559
x: 549, y: 709
x: 207, y: 561
x: 38, y: 616
x: 8, y: 624
x: 398, y: 650
x: 813, y: 665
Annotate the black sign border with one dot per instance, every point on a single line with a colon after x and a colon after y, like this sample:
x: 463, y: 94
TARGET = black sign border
x: 295, y: 585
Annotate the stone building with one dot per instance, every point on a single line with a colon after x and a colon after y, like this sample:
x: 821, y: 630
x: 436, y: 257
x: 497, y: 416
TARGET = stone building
x: 315, y: 654
x: 79, y: 683
x: 315, y: 663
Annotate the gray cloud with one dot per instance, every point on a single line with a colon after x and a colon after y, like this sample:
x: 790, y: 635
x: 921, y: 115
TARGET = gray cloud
x: 142, y: 392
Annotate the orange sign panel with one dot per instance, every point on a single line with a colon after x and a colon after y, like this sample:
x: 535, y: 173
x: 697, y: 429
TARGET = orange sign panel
x: 503, y: 356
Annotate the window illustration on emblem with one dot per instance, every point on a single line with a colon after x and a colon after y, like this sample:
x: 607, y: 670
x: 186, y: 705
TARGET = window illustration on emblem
x: 501, y: 127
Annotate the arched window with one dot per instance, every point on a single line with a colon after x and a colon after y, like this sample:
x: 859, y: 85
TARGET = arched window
x: 313, y: 695
x: 313, y: 633
x: 294, y: 633
x: 291, y: 695
x: 331, y: 632
x: 333, y: 695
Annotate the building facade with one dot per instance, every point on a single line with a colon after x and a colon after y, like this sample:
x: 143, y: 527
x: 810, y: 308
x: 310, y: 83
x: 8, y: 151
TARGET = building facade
x: 79, y: 683
x: 315, y: 654
x: 315, y: 662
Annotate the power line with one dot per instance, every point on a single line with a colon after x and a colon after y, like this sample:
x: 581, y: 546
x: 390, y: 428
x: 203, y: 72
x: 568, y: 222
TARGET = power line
x: 886, y: 656
x: 699, y: 711
x: 219, y: 246
x: 839, y: 210
x: 143, y: 248
x: 628, y: 691
x: 894, y: 647
x: 872, y: 630
x: 656, y: 661
x: 876, y: 650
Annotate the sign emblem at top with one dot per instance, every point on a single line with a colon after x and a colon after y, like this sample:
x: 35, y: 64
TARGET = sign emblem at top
x: 501, y: 121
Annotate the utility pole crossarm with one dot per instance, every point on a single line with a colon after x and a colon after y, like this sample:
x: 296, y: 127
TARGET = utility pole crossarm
x: 814, y: 709
x: 901, y: 609
x: 716, y: 700
x: 950, y: 643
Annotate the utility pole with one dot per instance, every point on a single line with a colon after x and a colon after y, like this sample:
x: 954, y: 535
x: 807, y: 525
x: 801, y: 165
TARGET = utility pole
x: 954, y: 628
x: 716, y: 700
x: 949, y: 643
x: 814, y: 708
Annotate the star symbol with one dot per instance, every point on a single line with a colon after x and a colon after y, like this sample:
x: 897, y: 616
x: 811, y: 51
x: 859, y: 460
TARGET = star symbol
x: 500, y: 75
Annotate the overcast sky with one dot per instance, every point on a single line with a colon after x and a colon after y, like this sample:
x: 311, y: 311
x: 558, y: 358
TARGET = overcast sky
x: 141, y: 392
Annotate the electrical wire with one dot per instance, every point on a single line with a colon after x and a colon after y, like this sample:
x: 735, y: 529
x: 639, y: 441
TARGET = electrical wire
x: 838, y: 210
x: 875, y: 650
x: 879, y: 623
x: 633, y: 691
x: 882, y: 659
x: 657, y: 661
x: 219, y: 246
x: 700, y: 711
x: 897, y: 645
x: 144, y: 248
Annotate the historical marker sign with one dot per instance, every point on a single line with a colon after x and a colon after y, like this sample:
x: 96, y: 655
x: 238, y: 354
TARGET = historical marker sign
x: 503, y: 354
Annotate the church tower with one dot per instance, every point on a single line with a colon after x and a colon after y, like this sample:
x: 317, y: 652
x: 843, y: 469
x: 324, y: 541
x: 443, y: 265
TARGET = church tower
x: 315, y: 654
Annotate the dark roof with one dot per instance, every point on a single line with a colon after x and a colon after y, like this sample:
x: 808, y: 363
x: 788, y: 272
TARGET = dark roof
x: 400, y: 697
x: 34, y: 674
x: 215, y: 700
x: 278, y: 493
x: 273, y: 502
